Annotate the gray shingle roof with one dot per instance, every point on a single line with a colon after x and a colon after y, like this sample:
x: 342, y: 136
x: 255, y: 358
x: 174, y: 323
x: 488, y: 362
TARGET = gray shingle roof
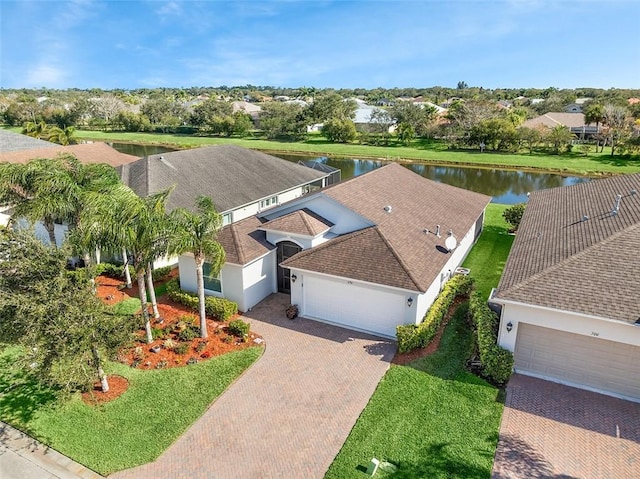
x: 304, y: 222
x: 416, y: 204
x: 561, y: 261
x: 232, y: 176
x: 10, y: 141
x: 86, y: 153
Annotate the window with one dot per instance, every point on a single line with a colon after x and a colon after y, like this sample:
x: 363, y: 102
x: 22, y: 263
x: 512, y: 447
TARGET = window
x: 226, y: 219
x: 266, y: 203
x: 211, y: 282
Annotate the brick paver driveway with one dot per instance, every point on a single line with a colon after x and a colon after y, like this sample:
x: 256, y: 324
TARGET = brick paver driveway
x: 554, y: 431
x: 290, y: 413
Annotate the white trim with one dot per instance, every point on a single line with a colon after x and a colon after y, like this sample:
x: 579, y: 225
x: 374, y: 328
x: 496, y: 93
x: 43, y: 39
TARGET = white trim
x: 350, y: 328
x: 344, y: 278
x: 577, y: 385
x: 298, y: 235
x: 291, y: 240
x: 555, y: 310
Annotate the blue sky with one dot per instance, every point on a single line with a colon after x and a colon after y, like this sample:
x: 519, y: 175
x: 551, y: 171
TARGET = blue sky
x: 339, y: 44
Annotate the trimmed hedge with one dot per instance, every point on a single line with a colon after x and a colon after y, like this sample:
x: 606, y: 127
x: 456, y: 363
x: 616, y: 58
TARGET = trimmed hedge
x: 220, y: 308
x: 115, y: 271
x: 497, y: 362
x: 412, y: 337
x: 239, y: 328
x: 159, y: 273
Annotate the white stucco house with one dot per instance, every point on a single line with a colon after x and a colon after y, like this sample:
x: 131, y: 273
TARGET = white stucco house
x: 570, y: 290
x: 367, y: 254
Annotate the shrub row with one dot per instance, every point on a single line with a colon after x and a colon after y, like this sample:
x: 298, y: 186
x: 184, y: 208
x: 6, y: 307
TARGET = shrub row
x: 412, y: 337
x: 497, y: 362
x: 115, y: 271
x: 159, y: 273
x: 220, y: 308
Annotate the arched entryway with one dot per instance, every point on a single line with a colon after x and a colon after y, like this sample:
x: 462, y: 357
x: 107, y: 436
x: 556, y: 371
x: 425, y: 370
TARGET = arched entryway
x: 285, y: 250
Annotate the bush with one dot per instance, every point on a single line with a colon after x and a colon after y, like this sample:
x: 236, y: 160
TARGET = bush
x: 413, y: 337
x: 188, y: 334
x: 239, y: 328
x: 513, y: 215
x: 219, y: 308
x: 160, y: 273
x: 115, y: 271
x: 182, y: 348
x: 497, y: 362
x: 158, y: 333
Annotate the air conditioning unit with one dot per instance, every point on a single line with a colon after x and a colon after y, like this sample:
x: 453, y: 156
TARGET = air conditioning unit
x: 462, y: 271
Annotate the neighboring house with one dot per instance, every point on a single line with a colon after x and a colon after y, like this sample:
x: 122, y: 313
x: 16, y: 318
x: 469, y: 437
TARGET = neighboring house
x: 364, y: 121
x: 570, y: 288
x: 573, y: 121
x: 241, y: 182
x: 573, y: 108
x: 248, y: 108
x: 18, y: 148
x: 367, y: 254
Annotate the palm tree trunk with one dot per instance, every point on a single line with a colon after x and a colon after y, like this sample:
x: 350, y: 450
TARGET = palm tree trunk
x: 201, y: 305
x: 152, y: 292
x: 142, y: 292
x: 50, y: 226
x: 127, y: 274
x: 98, y: 363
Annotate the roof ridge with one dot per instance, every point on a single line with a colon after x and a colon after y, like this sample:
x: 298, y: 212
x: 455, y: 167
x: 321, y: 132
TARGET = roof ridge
x: 331, y: 242
x: 237, y: 243
x: 552, y: 119
x: 399, y: 258
x: 569, y: 259
x: 303, y: 215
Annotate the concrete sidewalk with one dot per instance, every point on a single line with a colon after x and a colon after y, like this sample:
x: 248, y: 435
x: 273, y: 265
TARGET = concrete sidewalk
x: 22, y: 457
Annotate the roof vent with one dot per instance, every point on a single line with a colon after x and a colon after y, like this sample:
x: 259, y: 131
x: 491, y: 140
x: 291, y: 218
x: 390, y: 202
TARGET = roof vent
x: 585, y: 217
x: 166, y: 162
x: 388, y: 208
x: 438, y: 231
x: 634, y: 192
x: 616, y: 206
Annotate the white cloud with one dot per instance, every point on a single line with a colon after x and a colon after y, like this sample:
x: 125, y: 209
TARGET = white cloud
x: 169, y: 9
x: 46, y: 75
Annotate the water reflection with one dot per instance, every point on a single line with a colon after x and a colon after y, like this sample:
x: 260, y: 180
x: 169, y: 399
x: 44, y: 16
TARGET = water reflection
x: 139, y: 150
x: 505, y: 186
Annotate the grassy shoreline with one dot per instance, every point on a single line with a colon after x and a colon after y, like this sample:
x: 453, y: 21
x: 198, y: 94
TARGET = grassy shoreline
x: 596, y: 164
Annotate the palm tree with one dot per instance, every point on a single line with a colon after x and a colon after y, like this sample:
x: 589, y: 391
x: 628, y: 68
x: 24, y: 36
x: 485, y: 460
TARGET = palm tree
x: 35, y: 129
x: 196, y: 233
x: 61, y: 136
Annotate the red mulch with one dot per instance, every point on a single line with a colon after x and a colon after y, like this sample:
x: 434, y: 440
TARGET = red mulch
x: 432, y: 347
x: 117, y: 385
x: 140, y: 354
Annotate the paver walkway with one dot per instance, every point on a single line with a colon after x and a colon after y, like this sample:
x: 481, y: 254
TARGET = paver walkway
x: 290, y: 413
x: 553, y: 431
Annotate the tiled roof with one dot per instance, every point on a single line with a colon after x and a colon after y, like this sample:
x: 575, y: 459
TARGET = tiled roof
x: 232, y: 176
x: 243, y: 242
x: 10, y: 141
x: 86, y: 153
x: 572, y: 253
x: 416, y: 204
x: 303, y: 222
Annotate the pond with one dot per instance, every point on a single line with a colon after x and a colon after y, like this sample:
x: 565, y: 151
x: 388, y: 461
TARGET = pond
x: 505, y: 186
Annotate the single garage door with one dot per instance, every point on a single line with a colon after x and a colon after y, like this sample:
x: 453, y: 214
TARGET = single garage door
x: 579, y: 360
x: 352, y: 305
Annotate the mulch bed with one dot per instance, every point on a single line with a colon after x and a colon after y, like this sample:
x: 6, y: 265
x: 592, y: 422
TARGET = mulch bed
x: 432, y: 347
x: 158, y: 354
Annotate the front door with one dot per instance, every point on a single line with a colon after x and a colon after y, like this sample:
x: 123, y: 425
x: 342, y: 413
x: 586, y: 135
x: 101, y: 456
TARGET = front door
x: 286, y: 249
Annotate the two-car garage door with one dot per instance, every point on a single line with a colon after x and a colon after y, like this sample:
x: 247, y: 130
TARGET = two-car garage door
x: 579, y: 360
x: 352, y: 305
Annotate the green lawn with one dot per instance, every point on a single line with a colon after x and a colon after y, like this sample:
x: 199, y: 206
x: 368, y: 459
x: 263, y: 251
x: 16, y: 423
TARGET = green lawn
x: 431, y: 419
x: 575, y: 163
x: 489, y: 255
x: 131, y: 430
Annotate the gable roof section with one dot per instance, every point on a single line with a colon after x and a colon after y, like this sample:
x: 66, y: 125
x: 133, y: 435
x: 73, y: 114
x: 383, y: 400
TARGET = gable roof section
x: 243, y: 242
x: 364, y: 255
x: 302, y: 222
x: 416, y: 204
x: 561, y: 261
x: 10, y: 141
x: 86, y: 153
x: 232, y: 176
